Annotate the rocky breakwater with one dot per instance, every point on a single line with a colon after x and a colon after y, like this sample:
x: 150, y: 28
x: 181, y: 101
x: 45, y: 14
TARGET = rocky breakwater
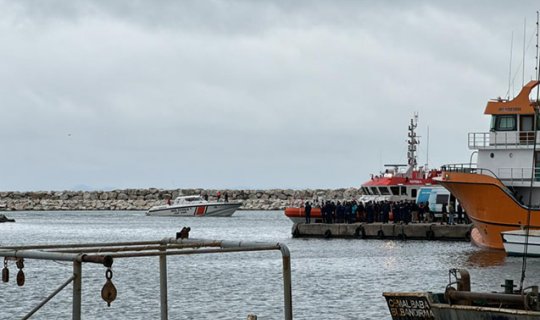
x: 142, y: 199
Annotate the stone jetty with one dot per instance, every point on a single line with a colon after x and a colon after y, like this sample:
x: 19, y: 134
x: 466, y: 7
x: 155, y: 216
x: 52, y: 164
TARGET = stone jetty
x: 142, y: 199
x: 412, y: 231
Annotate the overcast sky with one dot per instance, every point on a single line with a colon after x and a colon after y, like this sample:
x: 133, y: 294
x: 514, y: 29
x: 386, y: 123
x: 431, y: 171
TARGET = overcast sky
x: 246, y: 94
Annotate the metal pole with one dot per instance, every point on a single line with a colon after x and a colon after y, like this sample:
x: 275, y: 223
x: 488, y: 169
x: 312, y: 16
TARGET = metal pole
x: 42, y: 303
x: 287, y: 287
x: 77, y: 288
x: 33, y: 254
x: 50, y: 255
x: 163, y: 284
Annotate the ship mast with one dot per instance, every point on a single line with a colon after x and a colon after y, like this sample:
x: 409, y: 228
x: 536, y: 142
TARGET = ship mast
x: 534, y: 169
x: 411, y: 149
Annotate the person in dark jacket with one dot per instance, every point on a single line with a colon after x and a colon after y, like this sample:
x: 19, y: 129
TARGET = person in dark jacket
x: 459, y: 213
x: 307, y: 210
x: 340, y: 212
x: 385, y: 212
x: 444, y: 213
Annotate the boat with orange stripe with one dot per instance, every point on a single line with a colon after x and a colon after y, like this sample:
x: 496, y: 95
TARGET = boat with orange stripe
x: 189, y: 206
x: 503, y: 188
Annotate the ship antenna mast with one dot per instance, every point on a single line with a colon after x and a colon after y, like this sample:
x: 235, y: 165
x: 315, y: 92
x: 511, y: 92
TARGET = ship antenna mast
x: 523, y: 61
x: 537, y: 65
x: 510, y: 67
x: 534, y: 169
x: 427, y: 149
x: 412, y: 142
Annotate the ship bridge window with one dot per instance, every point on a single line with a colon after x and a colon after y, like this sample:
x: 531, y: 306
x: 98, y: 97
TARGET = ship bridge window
x: 442, y: 198
x: 384, y: 191
x: 403, y: 191
x: 505, y: 122
x: 374, y: 190
x: 395, y: 190
x: 526, y: 123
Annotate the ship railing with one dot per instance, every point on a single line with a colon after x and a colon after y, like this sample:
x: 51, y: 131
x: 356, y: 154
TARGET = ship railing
x: 518, y: 175
x: 460, y: 167
x: 505, y: 175
x: 472, y: 168
x: 469, y: 168
x: 501, y: 140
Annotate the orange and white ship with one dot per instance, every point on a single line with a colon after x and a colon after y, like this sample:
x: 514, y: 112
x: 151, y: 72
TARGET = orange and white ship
x: 396, y: 183
x: 496, y: 192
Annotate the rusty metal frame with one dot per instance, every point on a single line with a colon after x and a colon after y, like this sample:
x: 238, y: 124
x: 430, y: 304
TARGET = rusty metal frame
x: 105, y: 253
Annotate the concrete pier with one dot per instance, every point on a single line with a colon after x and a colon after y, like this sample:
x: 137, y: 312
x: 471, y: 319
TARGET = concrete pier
x: 412, y: 231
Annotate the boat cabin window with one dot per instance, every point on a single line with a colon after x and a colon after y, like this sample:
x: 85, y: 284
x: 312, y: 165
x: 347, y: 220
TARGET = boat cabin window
x: 384, y: 191
x: 442, y: 198
x: 374, y: 190
x: 395, y: 190
x: 366, y: 190
x: 403, y: 191
x: 526, y: 123
x: 506, y: 122
x: 413, y: 193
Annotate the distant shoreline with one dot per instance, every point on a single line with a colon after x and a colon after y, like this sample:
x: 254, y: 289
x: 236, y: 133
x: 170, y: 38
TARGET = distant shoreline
x: 142, y: 199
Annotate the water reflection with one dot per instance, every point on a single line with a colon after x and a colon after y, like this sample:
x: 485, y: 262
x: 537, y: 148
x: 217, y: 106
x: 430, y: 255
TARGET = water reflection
x: 332, y: 279
x: 484, y: 258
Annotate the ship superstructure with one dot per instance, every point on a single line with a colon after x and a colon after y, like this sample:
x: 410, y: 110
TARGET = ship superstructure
x: 399, y: 181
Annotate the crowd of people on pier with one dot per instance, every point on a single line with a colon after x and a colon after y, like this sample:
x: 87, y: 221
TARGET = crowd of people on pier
x: 404, y: 212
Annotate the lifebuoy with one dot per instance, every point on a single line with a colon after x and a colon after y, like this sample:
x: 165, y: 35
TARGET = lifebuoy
x: 430, y: 234
x: 327, y: 233
x: 380, y: 234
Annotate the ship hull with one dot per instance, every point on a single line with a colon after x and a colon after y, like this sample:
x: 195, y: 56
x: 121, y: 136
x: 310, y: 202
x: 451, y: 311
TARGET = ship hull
x: 421, y: 306
x: 490, y: 206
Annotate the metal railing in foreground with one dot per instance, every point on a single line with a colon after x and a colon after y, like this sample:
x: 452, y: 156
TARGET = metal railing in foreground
x: 105, y: 253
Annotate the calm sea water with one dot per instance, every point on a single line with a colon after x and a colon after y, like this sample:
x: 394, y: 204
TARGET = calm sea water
x: 332, y: 279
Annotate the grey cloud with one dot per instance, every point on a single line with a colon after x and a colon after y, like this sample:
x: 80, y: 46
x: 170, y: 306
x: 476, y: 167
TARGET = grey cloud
x: 242, y: 93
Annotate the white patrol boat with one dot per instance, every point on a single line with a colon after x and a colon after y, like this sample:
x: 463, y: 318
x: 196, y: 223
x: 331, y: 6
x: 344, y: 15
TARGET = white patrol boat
x: 188, y: 206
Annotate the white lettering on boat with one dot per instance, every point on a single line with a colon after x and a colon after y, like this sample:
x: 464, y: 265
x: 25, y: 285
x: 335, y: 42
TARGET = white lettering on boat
x: 409, y: 308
